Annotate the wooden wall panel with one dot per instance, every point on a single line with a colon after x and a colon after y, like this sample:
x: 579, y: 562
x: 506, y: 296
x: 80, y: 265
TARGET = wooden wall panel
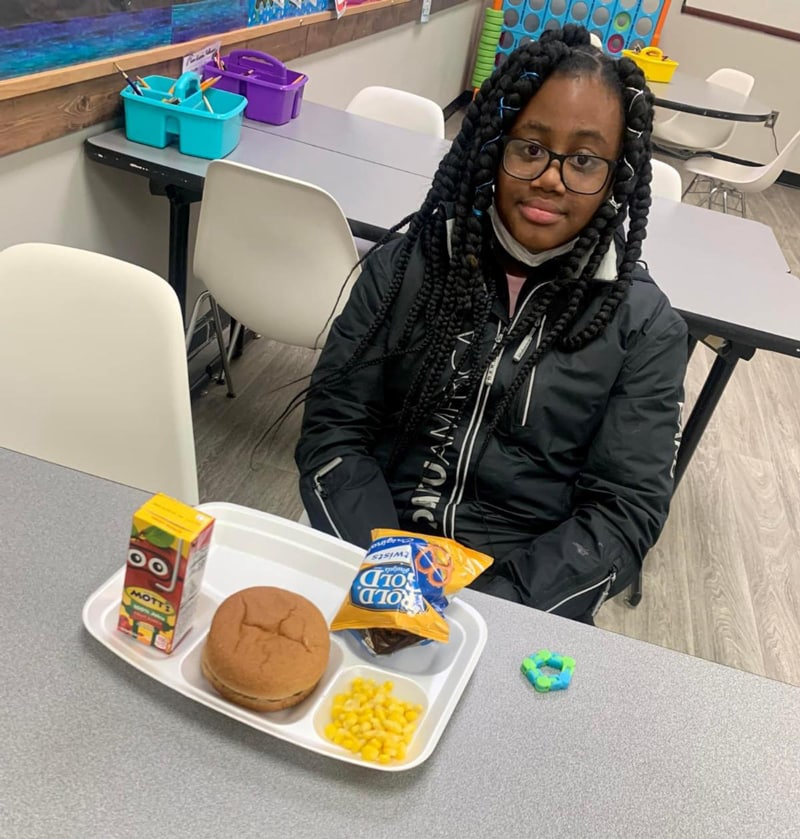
x: 31, y: 112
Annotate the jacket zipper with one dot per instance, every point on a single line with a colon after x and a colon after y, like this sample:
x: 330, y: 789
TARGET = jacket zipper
x: 533, y: 372
x: 605, y: 583
x: 475, y: 421
x: 474, y: 426
x: 321, y: 493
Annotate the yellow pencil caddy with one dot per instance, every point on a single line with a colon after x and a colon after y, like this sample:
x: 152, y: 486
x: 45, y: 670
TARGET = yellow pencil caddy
x: 653, y: 63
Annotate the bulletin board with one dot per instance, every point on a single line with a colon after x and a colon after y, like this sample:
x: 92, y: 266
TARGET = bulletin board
x: 41, y: 35
x: 774, y: 17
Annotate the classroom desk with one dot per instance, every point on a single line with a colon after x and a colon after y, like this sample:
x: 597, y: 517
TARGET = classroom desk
x: 645, y: 743
x: 696, y: 255
x: 729, y: 280
x: 366, y: 139
x: 697, y: 96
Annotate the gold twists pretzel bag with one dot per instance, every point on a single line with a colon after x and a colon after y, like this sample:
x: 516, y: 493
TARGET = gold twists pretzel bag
x: 399, y: 595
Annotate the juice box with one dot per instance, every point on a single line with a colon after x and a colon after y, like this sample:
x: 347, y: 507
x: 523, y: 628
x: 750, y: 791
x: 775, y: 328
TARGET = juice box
x: 166, y: 559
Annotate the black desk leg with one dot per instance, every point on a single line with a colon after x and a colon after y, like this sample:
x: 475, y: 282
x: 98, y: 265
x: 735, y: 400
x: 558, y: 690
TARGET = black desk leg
x: 180, y: 200
x: 179, y: 212
x: 714, y: 386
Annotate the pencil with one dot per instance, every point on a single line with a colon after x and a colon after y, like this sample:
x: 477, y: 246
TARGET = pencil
x: 142, y: 82
x: 209, y: 83
x: 208, y: 104
x: 298, y: 79
x: 128, y: 79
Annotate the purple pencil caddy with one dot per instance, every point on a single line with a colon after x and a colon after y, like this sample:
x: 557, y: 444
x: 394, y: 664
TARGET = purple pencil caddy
x: 273, y: 92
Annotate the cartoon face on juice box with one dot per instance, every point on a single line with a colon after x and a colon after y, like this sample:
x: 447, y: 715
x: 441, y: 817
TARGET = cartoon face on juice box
x: 166, y: 559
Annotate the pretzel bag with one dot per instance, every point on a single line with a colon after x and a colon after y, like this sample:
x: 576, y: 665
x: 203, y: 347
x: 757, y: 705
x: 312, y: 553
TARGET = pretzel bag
x: 399, y: 595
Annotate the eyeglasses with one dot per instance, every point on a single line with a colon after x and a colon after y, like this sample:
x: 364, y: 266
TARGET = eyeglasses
x: 528, y: 160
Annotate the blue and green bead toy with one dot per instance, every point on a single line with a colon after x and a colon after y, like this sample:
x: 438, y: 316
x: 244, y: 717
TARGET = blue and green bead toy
x: 544, y: 682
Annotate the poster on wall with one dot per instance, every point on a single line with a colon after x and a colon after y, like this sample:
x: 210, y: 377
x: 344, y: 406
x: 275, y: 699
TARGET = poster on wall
x: 39, y: 35
x: 774, y: 17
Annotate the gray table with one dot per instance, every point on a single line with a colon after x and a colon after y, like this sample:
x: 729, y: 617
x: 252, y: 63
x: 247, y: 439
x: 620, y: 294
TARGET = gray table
x: 724, y: 272
x: 645, y: 743
x: 697, y: 96
x: 366, y: 139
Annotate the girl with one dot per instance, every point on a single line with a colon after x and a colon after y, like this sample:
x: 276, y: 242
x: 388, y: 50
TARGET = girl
x: 505, y: 373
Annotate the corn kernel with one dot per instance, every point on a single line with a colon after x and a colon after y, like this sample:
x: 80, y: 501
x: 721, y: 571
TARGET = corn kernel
x: 369, y: 753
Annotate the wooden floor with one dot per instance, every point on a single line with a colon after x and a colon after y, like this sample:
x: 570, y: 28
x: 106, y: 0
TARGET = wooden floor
x: 724, y: 580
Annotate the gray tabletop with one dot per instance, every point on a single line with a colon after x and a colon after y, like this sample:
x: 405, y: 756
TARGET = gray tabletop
x: 697, y: 96
x: 366, y: 139
x: 645, y: 743
x: 727, y: 271
x: 368, y: 192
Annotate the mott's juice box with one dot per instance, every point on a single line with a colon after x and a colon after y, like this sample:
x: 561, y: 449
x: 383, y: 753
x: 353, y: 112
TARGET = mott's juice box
x: 166, y: 559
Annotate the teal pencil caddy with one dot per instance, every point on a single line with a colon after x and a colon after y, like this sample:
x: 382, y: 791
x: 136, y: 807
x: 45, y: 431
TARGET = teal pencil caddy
x: 205, y: 125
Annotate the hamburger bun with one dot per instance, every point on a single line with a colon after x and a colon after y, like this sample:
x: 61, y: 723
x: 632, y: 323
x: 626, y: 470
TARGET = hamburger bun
x: 267, y: 648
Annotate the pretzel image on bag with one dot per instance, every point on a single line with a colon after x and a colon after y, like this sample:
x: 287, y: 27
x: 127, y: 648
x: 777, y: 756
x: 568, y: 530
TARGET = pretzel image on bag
x: 399, y: 594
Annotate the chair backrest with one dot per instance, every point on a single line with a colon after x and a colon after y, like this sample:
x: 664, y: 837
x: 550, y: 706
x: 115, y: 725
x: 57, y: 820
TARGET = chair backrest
x: 398, y: 107
x: 274, y: 252
x: 666, y: 181
x: 761, y: 177
x: 734, y: 80
x: 704, y: 133
x: 93, y: 368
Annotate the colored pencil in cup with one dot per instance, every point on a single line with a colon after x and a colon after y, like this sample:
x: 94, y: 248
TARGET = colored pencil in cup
x: 209, y: 83
x: 142, y: 82
x: 298, y: 79
x: 134, y: 87
x: 208, y: 104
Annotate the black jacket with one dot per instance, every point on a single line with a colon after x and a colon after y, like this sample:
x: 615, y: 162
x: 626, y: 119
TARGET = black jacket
x: 575, y: 484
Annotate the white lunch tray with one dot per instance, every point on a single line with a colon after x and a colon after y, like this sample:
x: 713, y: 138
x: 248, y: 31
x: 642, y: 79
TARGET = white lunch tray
x: 251, y: 548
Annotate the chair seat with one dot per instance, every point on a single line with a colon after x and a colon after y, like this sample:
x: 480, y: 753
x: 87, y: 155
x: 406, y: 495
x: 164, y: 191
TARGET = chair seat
x: 744, y: 178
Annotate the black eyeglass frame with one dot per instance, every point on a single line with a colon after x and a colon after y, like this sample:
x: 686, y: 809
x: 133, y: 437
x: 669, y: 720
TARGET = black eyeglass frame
x: 551, y: 156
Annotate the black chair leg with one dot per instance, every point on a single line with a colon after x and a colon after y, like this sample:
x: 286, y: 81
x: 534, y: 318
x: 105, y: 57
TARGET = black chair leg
x: 635, y: 596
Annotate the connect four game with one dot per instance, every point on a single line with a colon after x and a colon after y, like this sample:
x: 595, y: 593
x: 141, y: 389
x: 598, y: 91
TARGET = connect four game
x: 620, y: 24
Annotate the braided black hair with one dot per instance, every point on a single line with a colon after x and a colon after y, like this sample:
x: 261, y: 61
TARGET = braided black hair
x: 453, y: 293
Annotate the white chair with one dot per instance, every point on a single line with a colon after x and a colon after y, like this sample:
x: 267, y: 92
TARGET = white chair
x: 93, y: 368
x: 666, y: 181
x: 696, y: 133
x: 398, y: 107
x: 274, y: 253
x: 720, y: 179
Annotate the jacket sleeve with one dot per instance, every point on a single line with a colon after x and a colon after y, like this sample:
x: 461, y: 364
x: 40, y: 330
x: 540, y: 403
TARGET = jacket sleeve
x: 342, y: 486
x: 622, y: 495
